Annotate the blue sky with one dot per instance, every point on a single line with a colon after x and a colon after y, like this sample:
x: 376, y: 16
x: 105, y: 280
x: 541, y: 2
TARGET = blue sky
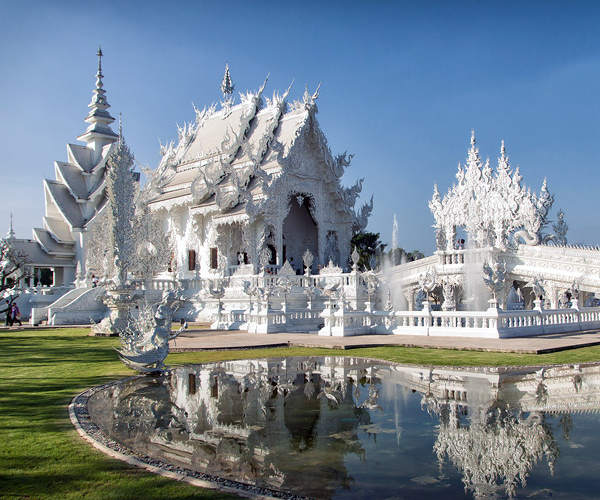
x: 403, y: 85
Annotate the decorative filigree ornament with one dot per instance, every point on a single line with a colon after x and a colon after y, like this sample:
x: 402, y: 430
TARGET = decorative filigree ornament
x: 495, y: 210
x: 307, y: 260
x: 494, y: 276
x: 146, y: 339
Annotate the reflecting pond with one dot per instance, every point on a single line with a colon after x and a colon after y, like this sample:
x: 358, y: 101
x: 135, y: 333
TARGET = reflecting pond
x: 352, y: 428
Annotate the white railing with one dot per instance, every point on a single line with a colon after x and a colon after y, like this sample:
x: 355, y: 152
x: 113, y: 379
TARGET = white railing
x: 491, y: 323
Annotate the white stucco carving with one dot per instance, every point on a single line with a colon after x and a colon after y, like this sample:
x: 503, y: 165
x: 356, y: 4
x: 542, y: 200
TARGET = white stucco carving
x: 263, y: 171
x: 493, y: 208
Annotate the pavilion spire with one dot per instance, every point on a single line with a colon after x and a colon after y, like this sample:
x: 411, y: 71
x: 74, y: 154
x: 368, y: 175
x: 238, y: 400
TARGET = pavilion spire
x: 121, y: 128
x: 10, y: 235
x: 227, y: 86
x: 99, y: 133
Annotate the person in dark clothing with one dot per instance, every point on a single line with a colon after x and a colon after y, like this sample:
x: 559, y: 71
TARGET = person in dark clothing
x: 16, y: 315
x: 8, y: 312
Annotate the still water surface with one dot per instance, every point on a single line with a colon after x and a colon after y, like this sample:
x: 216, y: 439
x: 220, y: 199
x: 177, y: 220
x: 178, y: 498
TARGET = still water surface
x: 351, y: 428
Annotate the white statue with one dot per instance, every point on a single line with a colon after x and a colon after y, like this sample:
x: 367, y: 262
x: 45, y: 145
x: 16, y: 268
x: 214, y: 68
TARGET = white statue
x: 146, y: 340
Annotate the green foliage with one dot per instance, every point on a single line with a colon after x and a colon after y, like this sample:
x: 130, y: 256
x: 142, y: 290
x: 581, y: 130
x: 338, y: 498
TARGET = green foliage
x: 46, y: 276
x: 397, y: 256
x: 14, y: 265
x: 369, y: 247
x: 43, y: 457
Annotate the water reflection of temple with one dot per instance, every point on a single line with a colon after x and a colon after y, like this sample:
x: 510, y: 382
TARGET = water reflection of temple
x: 293, y: 423
x: 494, y: 424
x: 244, y: 419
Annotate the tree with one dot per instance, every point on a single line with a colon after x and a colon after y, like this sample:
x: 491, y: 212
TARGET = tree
x: 14, y: 265
x: 397, y: 256
x: 415, y: 255
x: 369, y: 248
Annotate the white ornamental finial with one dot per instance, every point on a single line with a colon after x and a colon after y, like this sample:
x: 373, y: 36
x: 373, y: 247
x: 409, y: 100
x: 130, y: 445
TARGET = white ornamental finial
x: 121, y: 139
x: 99, y: 85
x: 100, y: 75
x: 11, y: 233
x: 227, y: 86
x: 98, y: 132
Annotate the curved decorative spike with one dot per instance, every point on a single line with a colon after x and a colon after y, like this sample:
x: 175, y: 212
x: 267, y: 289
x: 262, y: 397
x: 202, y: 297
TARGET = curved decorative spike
x: 286, y: 93
x: 262, y: 88
x: 315, y: 96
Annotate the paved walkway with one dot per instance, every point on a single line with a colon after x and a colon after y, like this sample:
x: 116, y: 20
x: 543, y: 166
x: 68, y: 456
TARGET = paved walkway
x: 198, y: 338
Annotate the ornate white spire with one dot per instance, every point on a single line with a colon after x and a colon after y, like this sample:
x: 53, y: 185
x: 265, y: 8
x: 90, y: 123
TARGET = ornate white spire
x: 120, y: 191
x: 11, y: 233
x: 494, y: 210
x: 99, y: 133
x: 227, y: 86
x: 121, y: 139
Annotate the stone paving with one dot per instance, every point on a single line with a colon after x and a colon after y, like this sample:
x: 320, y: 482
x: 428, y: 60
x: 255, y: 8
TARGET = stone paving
x: 198, y: 337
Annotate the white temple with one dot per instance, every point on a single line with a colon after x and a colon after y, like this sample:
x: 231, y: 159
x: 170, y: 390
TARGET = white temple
x: 246, y: 216
x: 255, y: 177
x: 76, y: 196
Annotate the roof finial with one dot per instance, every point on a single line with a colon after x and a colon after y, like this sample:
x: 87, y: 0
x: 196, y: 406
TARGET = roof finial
x: 227, y: 85
x: 120, y: 127
x: 11, y: 233
x: 99, y: 132
x: 100, y: 75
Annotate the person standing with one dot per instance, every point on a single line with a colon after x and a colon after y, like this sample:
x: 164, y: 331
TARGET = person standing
x: 8, y: 311
x: 16, y: 315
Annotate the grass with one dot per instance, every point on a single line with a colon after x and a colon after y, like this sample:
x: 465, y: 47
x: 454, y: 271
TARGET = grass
x: 42, y: 456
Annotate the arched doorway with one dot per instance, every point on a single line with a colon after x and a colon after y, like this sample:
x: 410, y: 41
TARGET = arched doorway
x: 300, y: 230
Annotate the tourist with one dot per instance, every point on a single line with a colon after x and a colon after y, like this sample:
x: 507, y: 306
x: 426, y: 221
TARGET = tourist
x: 8, y: 312
x: 94, y: 281
x: 16, y: 315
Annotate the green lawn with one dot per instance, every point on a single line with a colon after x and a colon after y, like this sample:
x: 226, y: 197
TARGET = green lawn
x: 41, y: 455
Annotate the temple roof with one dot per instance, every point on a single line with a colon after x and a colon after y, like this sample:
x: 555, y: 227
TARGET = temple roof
x: 242, y: 154
x: 99, y: 133
x: 67, y: 205
x: 218, y: 142
x: 38, y: 257
x: 50, y: 245
x: 71, y: 177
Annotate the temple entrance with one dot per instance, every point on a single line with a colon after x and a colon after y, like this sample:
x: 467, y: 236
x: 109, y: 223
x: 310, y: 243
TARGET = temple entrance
x: 300, y: 230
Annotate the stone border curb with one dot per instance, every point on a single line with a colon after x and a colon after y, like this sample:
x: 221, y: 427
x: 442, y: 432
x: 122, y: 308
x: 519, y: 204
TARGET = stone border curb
x: 88, y: 430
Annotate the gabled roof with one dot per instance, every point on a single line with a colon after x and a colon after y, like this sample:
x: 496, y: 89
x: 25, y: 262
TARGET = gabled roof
x: 72, y: 178
x: 50, y: 245
x: 37, y: 257
x: 246, y: 141
x: 81, y: 157
x: 211, y: 133
x: 243, y: 153
x: 68, y: 207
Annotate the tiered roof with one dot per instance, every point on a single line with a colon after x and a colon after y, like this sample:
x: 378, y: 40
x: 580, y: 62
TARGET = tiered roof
x: 77, y: 194
x: 228, y: 159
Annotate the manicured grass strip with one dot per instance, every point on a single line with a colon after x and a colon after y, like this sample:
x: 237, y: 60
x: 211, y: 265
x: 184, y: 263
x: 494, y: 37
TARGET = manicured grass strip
x: 41, y: 455
x: 404, y: 355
